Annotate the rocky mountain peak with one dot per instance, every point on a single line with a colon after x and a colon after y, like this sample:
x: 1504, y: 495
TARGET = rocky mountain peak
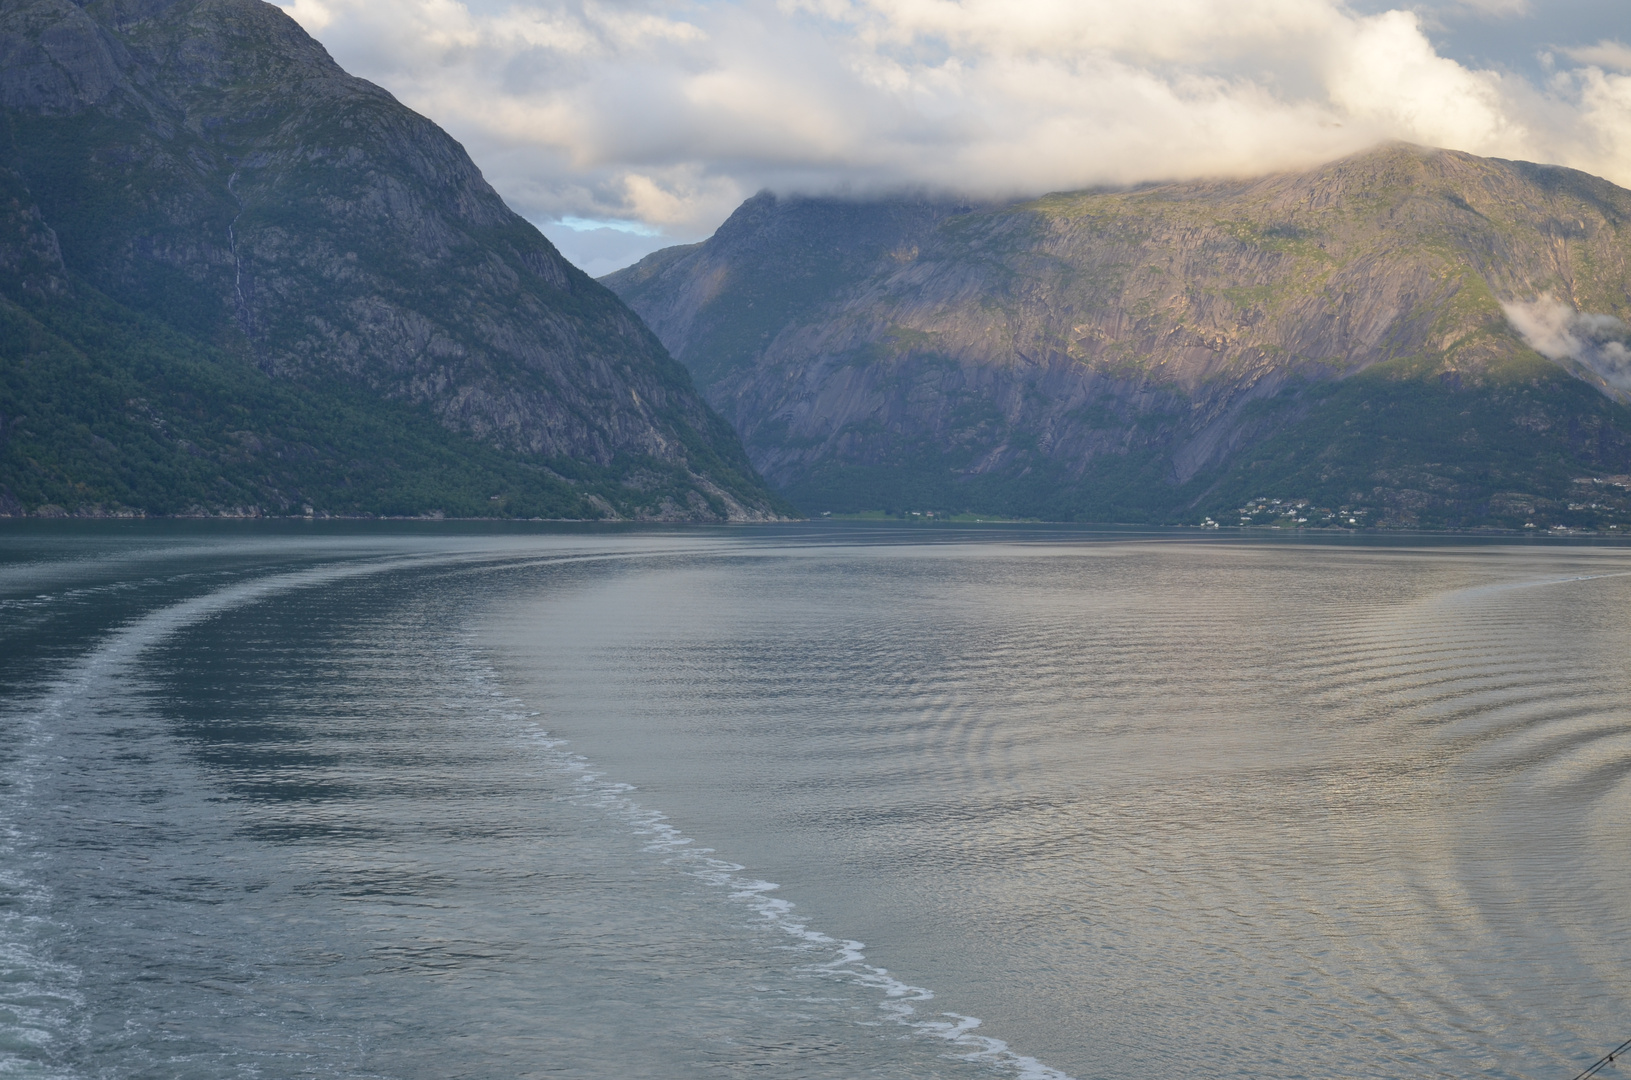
x: 1111, y: 351
x: 207, y: 163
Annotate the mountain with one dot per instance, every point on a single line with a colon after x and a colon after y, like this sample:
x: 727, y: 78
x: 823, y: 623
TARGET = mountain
x: 234, y: 278
x: 1338, y: 345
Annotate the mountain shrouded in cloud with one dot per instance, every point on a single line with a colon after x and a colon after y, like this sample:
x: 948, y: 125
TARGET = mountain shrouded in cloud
x: 1363, y: 338
x: 668, y: 114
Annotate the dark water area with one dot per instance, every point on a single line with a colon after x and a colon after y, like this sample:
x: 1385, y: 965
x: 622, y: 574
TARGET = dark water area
x: 811, y: 801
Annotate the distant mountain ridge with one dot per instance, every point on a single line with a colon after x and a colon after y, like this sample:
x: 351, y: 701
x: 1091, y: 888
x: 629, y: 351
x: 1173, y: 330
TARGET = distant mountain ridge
x: 1334, y: 337
x: 204, y: 212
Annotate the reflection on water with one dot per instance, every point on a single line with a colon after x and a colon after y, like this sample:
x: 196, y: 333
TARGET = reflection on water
x: 446, y: 803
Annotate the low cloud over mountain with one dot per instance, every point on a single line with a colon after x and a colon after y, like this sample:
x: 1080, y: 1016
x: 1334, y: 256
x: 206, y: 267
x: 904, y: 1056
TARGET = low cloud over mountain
x: 668, y: 113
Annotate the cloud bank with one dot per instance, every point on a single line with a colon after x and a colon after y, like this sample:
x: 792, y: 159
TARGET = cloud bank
x: 667, y: 113
x: 1575, y: 339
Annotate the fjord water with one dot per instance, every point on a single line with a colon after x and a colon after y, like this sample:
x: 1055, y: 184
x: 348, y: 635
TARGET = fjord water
x: 431, y: 802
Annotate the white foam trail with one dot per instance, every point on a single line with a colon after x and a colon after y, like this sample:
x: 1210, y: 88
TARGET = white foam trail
x: 39, y: 996
x: 42, y: 1004
x: 845, y: 959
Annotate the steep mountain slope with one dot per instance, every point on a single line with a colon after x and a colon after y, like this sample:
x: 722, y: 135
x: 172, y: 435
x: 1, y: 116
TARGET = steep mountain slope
x: 211, y: 182
x: 1335, y: 337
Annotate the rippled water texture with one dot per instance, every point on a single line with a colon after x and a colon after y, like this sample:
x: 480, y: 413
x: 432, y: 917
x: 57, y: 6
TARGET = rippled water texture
x: 437, y: 802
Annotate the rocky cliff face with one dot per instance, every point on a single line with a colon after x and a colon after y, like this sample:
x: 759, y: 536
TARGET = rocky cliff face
x: 1137, y: 354
x: 205, y: 162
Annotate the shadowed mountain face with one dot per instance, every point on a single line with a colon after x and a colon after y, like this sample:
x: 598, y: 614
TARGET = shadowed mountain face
x: 203, y: 168
x: 1335, y: 337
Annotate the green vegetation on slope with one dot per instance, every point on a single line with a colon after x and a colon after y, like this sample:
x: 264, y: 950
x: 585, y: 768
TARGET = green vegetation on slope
x: 1126, y: 489
x: 1335, y: 337
x: 1397, y: 445
x: 1414, y: 450
x: 104, y: 411
x: 236, y: 278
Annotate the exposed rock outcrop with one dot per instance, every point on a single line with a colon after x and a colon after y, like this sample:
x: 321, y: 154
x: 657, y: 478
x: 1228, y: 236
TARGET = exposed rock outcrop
x: 1123, y: 354
x: 206, y: 162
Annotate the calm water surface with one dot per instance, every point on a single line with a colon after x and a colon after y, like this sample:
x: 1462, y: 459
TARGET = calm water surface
x: 437, y: 802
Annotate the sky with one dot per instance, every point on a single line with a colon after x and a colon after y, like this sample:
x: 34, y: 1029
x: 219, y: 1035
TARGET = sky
x: 623, y: 126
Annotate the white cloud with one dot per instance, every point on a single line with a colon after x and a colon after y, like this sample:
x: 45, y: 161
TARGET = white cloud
x: 1388, y: 73
x: 1613, y: 55
x: 1493, y: 7
x: 1578, y: 340
x: 669, y: 112
x: 311, y: 14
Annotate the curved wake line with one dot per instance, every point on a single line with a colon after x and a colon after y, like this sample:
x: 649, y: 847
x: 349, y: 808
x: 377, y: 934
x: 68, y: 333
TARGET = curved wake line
x: 127, y: 642
x: 846, y: 959
x: 42, y: 996
x: 39, y: 995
